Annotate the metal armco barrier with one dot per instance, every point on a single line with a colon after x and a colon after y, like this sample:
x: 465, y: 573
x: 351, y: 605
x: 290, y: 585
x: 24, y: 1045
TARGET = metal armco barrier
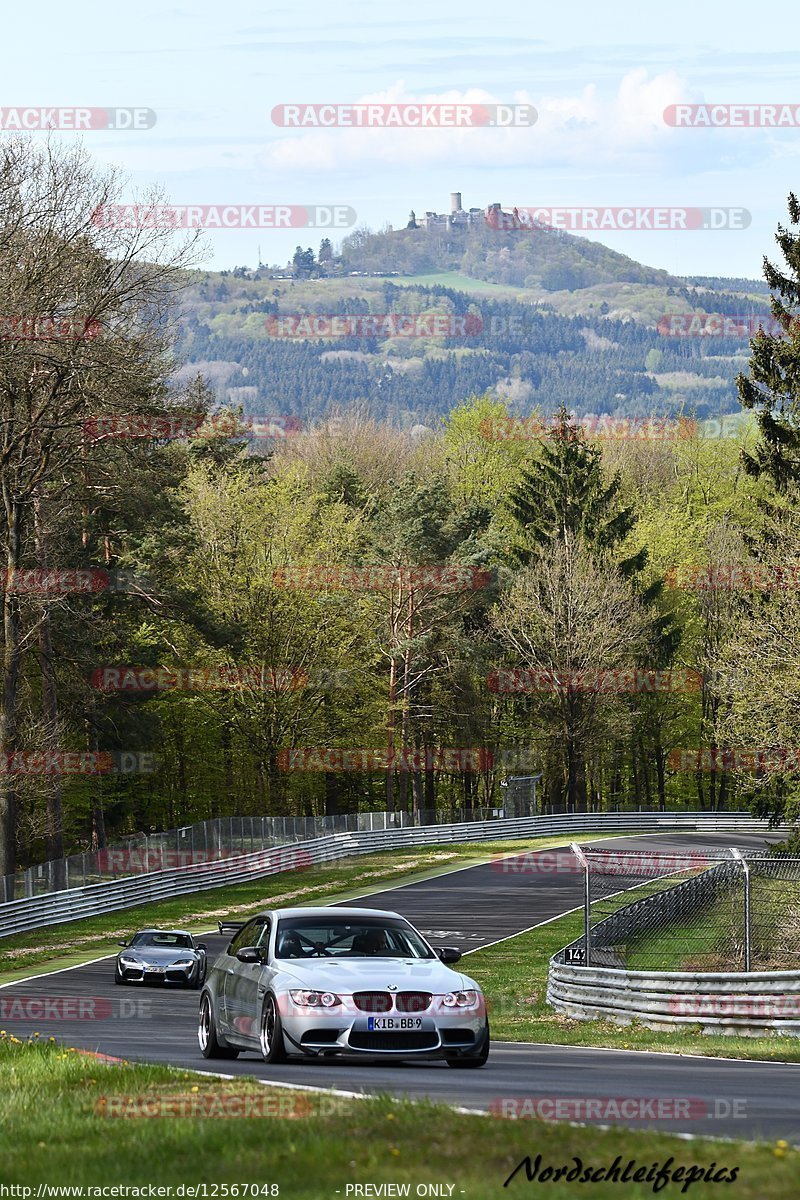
x: 745, y: 1004
x: 55, y: 908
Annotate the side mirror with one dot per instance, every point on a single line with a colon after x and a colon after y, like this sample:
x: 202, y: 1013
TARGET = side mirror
x: 249, y: 954
x: 122, y: 943
x: 447, y: 954
x: 201, y: 946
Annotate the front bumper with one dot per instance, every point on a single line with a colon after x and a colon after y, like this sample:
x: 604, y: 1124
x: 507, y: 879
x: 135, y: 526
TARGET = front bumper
x: 146, y: 974
x: 321, y: 1033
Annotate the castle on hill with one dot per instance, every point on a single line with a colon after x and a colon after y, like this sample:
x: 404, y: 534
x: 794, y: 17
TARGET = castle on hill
x: 458, y: 217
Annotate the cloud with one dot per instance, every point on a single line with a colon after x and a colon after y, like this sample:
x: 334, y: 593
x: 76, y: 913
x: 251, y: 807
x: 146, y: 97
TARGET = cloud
x: 586, y: 129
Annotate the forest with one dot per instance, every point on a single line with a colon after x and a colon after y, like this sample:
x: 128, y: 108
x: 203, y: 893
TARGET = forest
x: 346, y: 614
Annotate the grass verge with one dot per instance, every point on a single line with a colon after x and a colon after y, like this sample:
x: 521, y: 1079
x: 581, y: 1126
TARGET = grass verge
x: 714, y: 939
x: 58, y: 1114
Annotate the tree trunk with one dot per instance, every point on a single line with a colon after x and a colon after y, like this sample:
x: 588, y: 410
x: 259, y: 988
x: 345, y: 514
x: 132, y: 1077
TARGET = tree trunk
x: 416, y: 784
x: 97, y: 817
x: 331, y: 794
x: 637, y: 793
x: 390, y: 801
x: 648, y: 786
x: 180, y: 749
x: 52, y: 783
x: 430, y: 782
x: 227, y: 771
x: 8, y: 713
x: 660, y: 776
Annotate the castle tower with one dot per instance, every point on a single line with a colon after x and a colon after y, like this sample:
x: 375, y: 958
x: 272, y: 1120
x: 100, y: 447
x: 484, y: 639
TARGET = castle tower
x: 455, y: 202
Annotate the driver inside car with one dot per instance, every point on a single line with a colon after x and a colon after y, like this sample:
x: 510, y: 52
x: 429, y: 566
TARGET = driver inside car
x: 372, y: 941
x: 290, y: 945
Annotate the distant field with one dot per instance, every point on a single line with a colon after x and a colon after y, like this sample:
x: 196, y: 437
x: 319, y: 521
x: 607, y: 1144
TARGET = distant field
x: 463, y: 283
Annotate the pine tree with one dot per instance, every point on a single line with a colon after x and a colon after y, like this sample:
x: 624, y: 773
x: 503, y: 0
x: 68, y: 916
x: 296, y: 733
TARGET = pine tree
x: 567, y: 492
x: 564, y: 500
x: 772, y: 390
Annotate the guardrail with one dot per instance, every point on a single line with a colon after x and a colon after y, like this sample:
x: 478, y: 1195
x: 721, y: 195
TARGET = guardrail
x: 749, y: 1004
x: 54, y: 908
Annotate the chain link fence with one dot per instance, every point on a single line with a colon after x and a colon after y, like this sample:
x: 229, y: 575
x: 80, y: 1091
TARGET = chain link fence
x: 212, y: 841
x: 725, y: 910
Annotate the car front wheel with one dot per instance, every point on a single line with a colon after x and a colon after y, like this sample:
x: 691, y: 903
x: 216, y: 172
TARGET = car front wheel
x: 473, y: 1060
x: 207, y: 1033
x: 273, y: 1049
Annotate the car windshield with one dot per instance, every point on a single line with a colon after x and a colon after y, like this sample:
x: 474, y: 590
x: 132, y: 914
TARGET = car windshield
x: 175, y: 940
x: 338, y: 937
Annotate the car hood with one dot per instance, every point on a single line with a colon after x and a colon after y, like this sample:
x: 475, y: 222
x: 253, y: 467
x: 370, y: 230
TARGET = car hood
x: 158, y: 954
x: 367, y: 974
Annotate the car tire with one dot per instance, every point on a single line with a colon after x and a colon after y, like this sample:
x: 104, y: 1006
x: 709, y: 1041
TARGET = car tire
x: 472, y: 1061
x: 197, y: 977
x: 270, y: 1032
x: 207, y: 1036
x: 117, y: 977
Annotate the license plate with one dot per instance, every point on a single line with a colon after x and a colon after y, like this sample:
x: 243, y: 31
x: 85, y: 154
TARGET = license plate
x: 156, y: 970
x: 394, y: 1022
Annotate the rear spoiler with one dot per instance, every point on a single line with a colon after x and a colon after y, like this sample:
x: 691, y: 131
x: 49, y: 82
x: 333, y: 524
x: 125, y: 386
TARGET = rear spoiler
x: 230, y: 928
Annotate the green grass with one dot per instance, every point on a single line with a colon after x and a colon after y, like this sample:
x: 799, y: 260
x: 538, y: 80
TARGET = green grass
x: 702, y: 943
x: 713, y: 940
x: 74, y: 942
x: 513, y: 974
x: 462, y: 283
x: 669, y: 948
x: 57, y: 1118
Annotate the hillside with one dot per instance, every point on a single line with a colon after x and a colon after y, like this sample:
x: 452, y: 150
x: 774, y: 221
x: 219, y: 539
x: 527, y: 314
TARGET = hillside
x: 546, y: 319
x: 548, y: 259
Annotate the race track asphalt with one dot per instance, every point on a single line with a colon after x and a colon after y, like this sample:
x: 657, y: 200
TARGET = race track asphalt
x: 468, y: 908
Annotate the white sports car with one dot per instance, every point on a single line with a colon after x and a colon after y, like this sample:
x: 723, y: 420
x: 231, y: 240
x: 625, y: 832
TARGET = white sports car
x: 316, y: 982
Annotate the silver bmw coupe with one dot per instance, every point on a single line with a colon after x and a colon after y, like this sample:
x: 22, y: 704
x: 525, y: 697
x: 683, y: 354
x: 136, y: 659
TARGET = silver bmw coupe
x: 317, y: 982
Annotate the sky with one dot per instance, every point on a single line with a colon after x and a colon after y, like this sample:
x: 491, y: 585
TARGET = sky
x: 598, y: 76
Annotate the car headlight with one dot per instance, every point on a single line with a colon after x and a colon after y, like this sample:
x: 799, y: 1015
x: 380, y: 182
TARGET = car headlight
x: 465, y: 999
x: 128, y: 960
x: 310, y: 999
x: 183, y: 962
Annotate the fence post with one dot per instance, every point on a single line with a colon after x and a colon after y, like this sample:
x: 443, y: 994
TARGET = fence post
x: 587, y: 902
x: 737, y: 854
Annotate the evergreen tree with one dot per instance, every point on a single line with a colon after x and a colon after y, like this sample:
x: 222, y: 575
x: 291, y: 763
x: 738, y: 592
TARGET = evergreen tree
x: 303, y: 262
x: 563, y: 500
x: 566, y: 492
x: 772, y: 390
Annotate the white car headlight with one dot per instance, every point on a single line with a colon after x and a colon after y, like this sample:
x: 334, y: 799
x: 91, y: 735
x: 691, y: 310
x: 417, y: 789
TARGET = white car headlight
x: 310, y: 999
x: 465, y: 999
x: 184, y: 962
x: 129, y: 960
